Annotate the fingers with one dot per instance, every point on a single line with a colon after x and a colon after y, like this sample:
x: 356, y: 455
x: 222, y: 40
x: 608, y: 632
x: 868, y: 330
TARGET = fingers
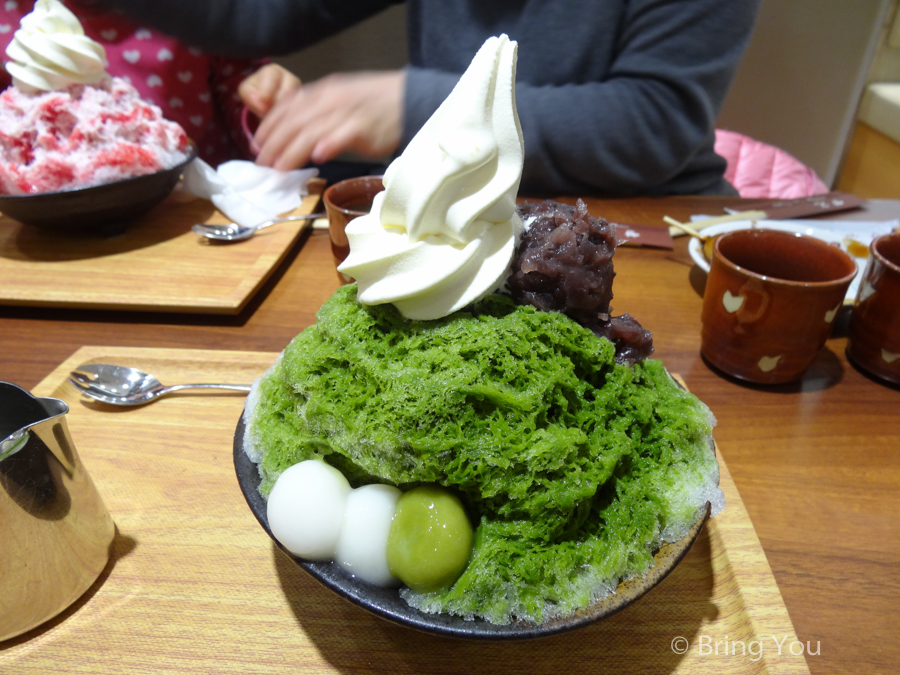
x: 252, y: 91
x: 309, y: 141
x: 358, y: 111
x: 350, y: 135
x: 291, y: 149
x: 285, y: 130
x: 262, y: 90
x: 287, y: 85
x: 288, y: 133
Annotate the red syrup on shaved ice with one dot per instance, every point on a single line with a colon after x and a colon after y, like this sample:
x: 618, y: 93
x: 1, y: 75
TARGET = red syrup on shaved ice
x: 82, y: 136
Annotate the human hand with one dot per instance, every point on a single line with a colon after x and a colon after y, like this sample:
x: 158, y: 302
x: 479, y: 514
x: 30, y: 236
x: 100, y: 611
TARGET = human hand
x: 360, y: 111
x: 266, y: 87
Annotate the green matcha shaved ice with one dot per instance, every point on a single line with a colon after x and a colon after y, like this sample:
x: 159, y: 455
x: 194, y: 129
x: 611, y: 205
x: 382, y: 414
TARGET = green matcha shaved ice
x: 574, y: 468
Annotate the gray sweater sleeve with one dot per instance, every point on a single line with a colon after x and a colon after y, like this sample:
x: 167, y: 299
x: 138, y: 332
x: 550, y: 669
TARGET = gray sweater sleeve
x: 643, y: 123
x: 646, y: 126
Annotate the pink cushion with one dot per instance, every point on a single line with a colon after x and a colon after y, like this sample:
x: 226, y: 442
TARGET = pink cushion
x: 759, y: 170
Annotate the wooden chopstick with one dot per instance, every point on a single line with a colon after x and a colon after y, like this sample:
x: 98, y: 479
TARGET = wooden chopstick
x: 676, y: 231
x: 683, y: 229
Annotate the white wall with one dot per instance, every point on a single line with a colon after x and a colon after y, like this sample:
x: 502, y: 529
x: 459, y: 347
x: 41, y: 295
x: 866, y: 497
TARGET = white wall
x: 378, y: 43
x: 802, y: 77
x: 886, y: 66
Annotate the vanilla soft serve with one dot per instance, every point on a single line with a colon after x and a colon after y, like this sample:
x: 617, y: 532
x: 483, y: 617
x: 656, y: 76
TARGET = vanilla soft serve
x: 50, y: 51
x: 443, y: 232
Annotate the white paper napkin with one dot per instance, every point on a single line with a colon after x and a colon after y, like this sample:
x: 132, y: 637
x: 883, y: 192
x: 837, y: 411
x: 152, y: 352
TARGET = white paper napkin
x: 245, y: 192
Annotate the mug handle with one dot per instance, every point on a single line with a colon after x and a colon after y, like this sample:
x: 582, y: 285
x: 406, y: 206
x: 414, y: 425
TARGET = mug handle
x: 752, y: 289
x: 249, y: 123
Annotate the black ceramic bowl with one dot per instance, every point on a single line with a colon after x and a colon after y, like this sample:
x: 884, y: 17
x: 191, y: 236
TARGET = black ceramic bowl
x: 387, y: 603
x: 100, y: 208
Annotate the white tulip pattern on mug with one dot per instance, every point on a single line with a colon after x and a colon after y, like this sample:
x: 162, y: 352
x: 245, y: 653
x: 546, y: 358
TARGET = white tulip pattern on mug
x: 768, y: 363
x: 831, y: 313
x: 732, y: 303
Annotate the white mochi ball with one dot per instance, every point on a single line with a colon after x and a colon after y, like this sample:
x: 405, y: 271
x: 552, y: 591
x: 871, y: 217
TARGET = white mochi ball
x: 306, y: 509
x: 362, y: 545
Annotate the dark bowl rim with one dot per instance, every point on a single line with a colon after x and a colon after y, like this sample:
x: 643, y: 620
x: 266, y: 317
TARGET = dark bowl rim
x: 332, y: 577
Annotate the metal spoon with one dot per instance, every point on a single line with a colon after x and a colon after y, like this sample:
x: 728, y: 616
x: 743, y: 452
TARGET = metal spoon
x: 128, y: 386
x: 235, y: 232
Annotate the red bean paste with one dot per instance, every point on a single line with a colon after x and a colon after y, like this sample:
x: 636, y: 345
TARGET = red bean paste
x: 564, y: 264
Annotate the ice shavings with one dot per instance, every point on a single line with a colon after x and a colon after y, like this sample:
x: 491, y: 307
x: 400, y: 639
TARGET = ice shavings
x: 82, y: 136
x: 575, y: 467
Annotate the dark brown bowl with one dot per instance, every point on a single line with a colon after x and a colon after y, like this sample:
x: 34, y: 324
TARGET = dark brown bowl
x: 99, y: 208
x: 874, y: 343
x: 770, y: 301
x: 345, y: 201
x: 387, y: 603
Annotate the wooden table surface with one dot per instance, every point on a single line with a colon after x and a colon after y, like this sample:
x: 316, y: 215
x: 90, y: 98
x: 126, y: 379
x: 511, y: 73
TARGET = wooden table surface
x: 817, y: 463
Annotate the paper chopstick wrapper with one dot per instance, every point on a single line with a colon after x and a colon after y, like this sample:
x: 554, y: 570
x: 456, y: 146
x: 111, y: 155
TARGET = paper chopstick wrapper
x: 245, y: 192
x: 782, y: 209
x: 649, y: 236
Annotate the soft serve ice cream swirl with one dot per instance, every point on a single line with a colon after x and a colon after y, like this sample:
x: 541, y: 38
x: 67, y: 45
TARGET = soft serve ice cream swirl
x: 50, y: 51
x: 443, y: 232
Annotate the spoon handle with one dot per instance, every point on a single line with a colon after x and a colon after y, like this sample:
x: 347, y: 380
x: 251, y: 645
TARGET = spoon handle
x: 233, y: 387
x: 288, y: 219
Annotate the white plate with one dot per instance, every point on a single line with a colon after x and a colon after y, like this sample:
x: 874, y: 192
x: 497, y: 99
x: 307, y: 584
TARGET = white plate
x: 862, y: 232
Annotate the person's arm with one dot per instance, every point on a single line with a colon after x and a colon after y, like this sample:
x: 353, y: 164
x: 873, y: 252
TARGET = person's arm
x: 639, y: 127
x: 248, y: 28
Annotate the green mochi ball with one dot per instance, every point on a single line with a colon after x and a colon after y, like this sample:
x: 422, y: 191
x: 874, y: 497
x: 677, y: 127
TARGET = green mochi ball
x: 430, y: 539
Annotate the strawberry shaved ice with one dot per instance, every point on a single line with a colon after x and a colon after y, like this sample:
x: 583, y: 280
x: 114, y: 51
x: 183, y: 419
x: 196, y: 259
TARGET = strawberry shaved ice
x: 81, y: 136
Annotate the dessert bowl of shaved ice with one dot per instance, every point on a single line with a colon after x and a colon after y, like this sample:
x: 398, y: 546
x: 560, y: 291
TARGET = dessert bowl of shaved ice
x: 587, y: 480
x: 79, y: 150
x: 105, y: 208
x: 467, y: 441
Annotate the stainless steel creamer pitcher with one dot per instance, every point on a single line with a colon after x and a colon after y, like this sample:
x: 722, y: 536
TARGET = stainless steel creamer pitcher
x: 55, y: 532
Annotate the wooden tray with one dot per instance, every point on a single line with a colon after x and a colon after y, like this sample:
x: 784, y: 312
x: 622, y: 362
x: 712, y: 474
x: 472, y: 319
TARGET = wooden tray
x: 195, y: 584
x: 157, y: 264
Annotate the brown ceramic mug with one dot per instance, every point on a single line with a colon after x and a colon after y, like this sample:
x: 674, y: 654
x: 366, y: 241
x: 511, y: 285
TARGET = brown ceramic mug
x: 770, y: 301
x: 875, y: 323
x: 345, y: 201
